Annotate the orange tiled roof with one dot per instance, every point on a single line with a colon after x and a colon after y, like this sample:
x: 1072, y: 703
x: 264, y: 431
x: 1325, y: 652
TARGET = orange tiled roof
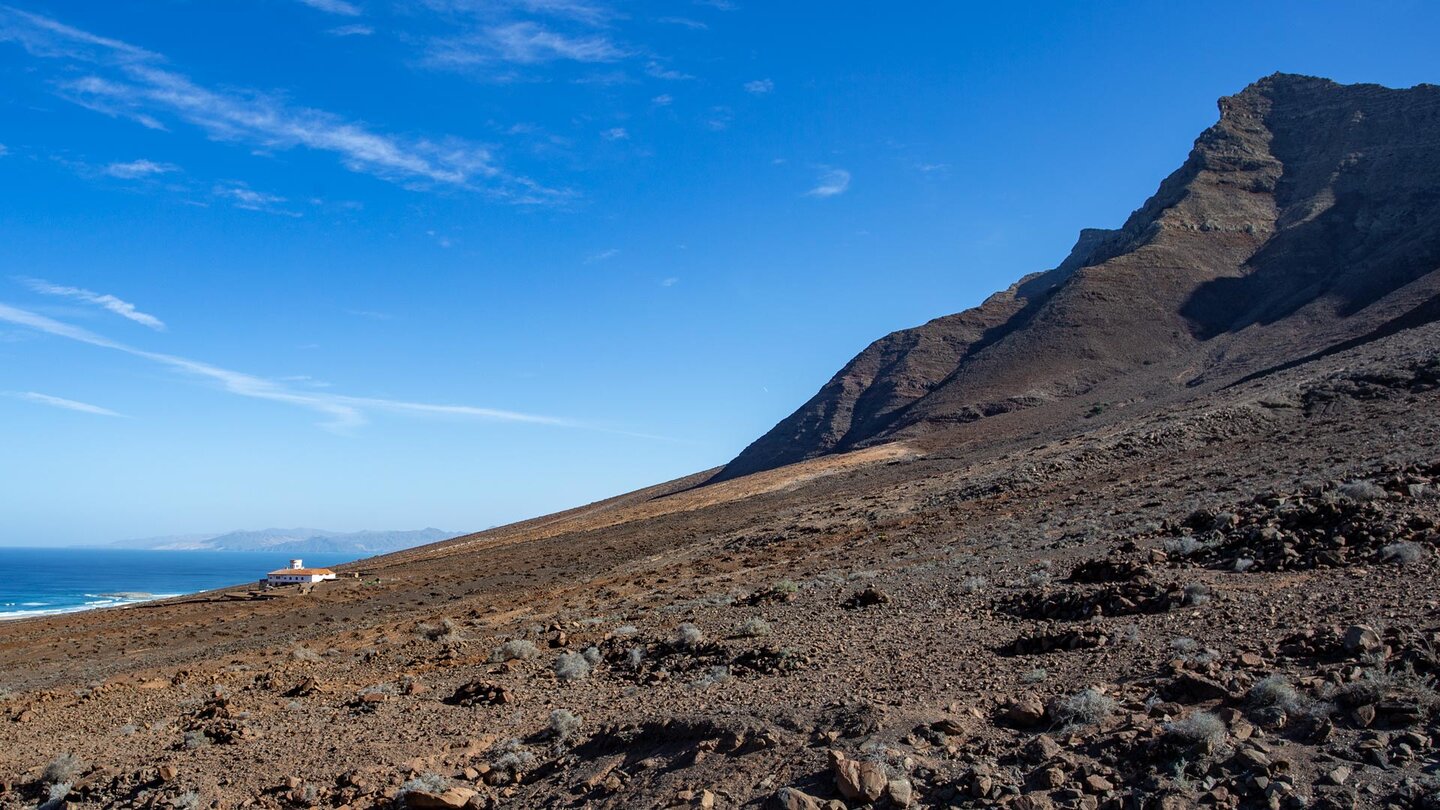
x: 302, y: 572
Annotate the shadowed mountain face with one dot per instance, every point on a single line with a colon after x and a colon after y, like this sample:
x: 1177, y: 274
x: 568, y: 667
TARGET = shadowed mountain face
x: 1307, y: 217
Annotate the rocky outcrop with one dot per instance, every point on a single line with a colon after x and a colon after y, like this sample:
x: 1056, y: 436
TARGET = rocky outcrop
x: 1305, y: 217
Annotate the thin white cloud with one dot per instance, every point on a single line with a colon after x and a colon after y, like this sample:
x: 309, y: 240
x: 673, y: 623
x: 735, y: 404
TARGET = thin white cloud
x: 683, y: 22
x: 124, y: 309
x: 616, y: 134
x: 123, y: 80
x: 521, y: 43
x: 61, y: 402
x: 242, y: 196
x: 832, y: 182
x: 3, y: 150
x: 568, y: 9
x: 137, y: 169
x: 355, y: 30
x: 759, y: 87
x: 720, y: 117
x: 340, y: 7
x: 663, y: 100
x: 571, y: 10
x: 669, y: 282
x: 656, y: 70
x: 341, y: 412
x: 604, y: 255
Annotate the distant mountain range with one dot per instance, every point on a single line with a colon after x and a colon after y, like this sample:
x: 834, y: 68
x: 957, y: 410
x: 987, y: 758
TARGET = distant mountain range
x: 297, y: 541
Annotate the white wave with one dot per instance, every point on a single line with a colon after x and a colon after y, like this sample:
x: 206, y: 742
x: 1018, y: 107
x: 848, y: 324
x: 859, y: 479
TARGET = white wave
x: 133, y: 599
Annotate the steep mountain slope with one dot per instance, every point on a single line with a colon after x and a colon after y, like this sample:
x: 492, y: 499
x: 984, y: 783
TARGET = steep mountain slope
x: 1305, y: 217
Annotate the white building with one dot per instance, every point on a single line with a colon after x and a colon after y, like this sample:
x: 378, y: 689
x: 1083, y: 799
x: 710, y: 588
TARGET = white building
x: 298, y: 574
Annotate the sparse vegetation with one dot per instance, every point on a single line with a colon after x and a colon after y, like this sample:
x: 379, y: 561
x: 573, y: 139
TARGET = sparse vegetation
x: 1185, y: 646
x: 1087, y: 707
x: 55, y: 795
x: 1362, y: 491
x: 426, y: 783
x: 446, y: 631
x: 563, y: 724
x: 571, y: 666
x: 1276, y: 691
x: 1035, y: 675
x: 688, y: 637
x: 715, y: 675
x: 1038, y: 579
x: 518, y: 649
x: 1197, y: 593
x: 1199, y: 734
x: 194, y: 740
x: 306, y: 654
x: 64, y: 768
x: 592, y: 655
x: 786, y: 587
x: 512, y: 758
x: 973, y: 585
x: 753, y: 627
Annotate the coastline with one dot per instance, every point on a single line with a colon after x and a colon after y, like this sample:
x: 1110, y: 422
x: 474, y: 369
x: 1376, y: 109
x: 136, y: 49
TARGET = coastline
x: 98, y: 601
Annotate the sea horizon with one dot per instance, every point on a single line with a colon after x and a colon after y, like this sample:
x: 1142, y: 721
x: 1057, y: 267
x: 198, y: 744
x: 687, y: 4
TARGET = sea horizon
x: 53, y: 580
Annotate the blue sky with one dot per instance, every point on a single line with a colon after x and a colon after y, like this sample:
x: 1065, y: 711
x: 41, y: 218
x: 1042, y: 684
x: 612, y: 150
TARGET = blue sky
x: 396, y: 263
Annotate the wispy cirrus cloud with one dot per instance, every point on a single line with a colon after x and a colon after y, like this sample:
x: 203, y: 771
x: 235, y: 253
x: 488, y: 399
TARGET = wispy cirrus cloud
x: 832, y: 182
x: 588, y: 13
x: 354, y: 30
x: 759, y: 87
x: 123, y: 80
x: 61, y: 402
x: 656, y: 70
x: 340, y: 7
x: 340, y: 412
x: 523, y: 43
x: 138, y: 169
x: 120, y: 307
x: 683, y: 22
x: 245, y: 198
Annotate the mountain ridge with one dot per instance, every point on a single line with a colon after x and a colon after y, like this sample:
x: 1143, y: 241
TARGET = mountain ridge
x: 1312, y: 204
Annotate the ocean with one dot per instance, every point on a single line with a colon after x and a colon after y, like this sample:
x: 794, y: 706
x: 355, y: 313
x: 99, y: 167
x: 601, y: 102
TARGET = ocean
x: 43, y: 581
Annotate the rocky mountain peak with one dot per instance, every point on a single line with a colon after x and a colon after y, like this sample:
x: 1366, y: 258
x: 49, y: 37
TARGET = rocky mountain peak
x: 1306, y: 216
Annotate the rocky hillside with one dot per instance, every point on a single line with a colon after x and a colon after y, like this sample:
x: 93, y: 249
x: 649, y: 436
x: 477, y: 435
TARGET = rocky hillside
x: 1305, y: 218
x: 1216, y: 592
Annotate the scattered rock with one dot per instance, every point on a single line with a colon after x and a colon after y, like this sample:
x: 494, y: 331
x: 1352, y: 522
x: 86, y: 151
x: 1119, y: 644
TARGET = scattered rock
x: 1361, y: 640
x: 1025, y: 711
x: 477, y: 693
x: 860, y: 779
x: 454, y: 798
x: 868, y: 597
